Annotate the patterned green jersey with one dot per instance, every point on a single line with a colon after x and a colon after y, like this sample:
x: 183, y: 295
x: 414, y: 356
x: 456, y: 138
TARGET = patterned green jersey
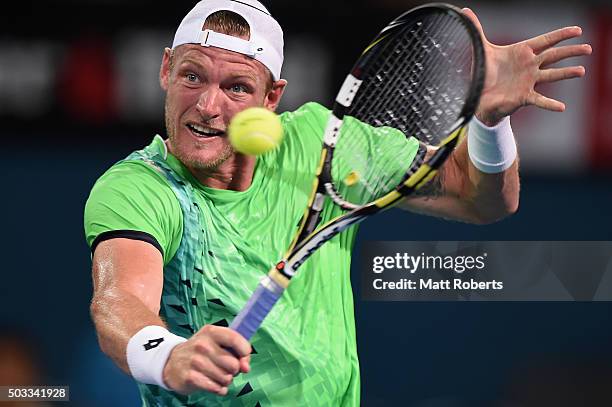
x: 216, y: 246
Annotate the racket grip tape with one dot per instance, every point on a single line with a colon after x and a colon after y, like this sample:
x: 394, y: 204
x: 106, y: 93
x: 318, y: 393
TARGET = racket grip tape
x: 258, y: 306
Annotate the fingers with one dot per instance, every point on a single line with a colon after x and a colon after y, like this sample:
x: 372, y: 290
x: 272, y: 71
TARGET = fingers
x: 245, y: 364
x: 219, y: 361
x: 474, y: 19
x: 197, y: 380
x: 227, y: 338
x: 544, y: 102
x: 547, y: 56
x: 558, y: 74
x: 205, y: 361
x: 208, y: 367
x: 542, y: 42
x: 226, y: 348
x: 554, y: 55
x: 189, y: 368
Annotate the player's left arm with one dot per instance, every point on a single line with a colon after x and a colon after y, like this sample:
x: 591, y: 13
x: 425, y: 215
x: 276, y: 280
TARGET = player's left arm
x: 463, y: 192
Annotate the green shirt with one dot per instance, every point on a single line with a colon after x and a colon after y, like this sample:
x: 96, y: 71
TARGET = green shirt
x: 306, y: 347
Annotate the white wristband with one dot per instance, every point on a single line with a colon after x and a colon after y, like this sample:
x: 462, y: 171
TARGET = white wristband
x: 147, y: 353
x: 491, y: 149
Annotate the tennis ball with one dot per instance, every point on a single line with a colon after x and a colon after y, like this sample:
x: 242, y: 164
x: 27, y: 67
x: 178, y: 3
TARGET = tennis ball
x: 255, y: 131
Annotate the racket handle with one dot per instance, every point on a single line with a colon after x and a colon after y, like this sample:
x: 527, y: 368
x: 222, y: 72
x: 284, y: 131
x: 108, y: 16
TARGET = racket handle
x: 259, y: 305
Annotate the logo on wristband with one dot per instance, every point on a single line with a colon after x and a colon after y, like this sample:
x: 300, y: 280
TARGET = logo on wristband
x: 153, y: 343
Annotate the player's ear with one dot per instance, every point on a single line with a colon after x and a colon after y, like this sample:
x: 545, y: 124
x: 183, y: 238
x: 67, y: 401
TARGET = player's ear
x: 274, y: 95
x: 164, y: 70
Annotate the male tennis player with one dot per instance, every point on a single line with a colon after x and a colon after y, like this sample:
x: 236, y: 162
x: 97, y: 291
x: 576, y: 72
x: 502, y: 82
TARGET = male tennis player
x: 182, y: 230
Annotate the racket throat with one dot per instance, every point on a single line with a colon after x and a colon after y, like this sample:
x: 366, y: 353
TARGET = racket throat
x: 311, y: 222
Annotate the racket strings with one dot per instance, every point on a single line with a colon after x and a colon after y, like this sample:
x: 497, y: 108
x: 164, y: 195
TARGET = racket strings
x: 416, y: 46
x: 416, y: 91
x: 418, y: 85
x: 432, y: 81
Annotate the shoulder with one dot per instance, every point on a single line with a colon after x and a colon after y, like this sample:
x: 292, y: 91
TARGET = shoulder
x: 310, y: 115
x: 130, y: 174
x: 304, y: 127
x: 133, y: 196
x: 133, y: 182
x: 303, y: 131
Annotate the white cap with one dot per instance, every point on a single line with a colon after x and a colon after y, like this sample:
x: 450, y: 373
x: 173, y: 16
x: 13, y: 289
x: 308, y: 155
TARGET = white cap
x: 266, y: 40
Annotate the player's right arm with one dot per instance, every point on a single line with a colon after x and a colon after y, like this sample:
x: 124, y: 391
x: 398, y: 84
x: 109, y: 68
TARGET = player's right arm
x: 133, y: 223
x: 128, y: 281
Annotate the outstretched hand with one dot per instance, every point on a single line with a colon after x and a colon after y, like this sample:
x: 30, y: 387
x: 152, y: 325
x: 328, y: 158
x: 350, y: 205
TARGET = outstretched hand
x: 513, y: 71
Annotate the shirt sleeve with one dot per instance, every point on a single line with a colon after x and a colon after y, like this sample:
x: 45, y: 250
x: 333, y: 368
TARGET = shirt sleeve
x: 132, y: 199
x: 370, y: 161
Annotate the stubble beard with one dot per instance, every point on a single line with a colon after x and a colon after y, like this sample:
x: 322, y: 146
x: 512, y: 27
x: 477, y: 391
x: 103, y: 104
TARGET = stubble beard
x: 192, y: 160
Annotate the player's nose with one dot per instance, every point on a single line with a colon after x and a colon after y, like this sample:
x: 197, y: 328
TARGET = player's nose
x: 209, y: 102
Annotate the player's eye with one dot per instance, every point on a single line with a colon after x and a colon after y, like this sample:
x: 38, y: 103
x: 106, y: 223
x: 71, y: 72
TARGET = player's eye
x: 239, y: 88
x: 191, y: 77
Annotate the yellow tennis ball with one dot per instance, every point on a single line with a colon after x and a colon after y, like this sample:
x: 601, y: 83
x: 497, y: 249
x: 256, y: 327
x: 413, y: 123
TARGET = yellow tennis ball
x: 255, y: 131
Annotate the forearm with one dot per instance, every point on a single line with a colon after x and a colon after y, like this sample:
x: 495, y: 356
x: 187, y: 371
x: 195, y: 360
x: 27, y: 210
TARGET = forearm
x: 490, y: 197
x: 464, y: 193
x: 117, y: 316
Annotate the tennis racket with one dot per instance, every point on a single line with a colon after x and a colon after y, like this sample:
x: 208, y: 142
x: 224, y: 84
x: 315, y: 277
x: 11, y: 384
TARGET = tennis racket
x: 421, y: 77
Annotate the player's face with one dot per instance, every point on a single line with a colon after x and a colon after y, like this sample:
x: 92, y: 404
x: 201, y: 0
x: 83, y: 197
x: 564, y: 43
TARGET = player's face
x: 206, y: 87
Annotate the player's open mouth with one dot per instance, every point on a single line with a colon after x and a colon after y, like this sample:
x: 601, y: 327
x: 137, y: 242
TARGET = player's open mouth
x: 204, y: 132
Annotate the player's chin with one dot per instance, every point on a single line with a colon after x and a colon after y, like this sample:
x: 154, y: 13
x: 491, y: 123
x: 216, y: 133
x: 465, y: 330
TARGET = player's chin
x: 211, y: 157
